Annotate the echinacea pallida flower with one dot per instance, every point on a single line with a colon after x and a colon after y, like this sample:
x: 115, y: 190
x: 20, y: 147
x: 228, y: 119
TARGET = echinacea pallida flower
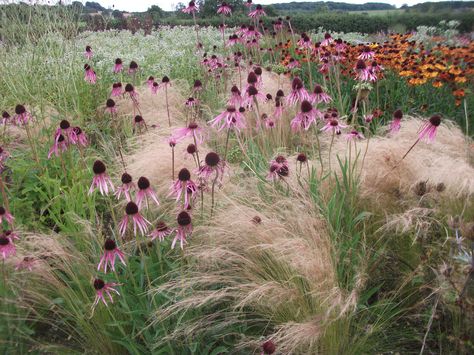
x: 102, y: 290
x: 191, y: 8
x: 139, y: 222
x: 111, y: 251
x: 278, y: 168
x: 213, y: 164
x: 101, y: 180
x: 59, y: 146
x: 127, y: 186
x: 118, y: 66
x: 161, y: 231
x: 428, y: 130
x: 230, y: 118
x: 88, y: 53
x: 81, y: 138
x: 7, y: 248
x: 184, y: 187
x: 298, y: 92
x: 305, y: 117
x: 257, y: 13
x: 319, y: 96
x: 395, y: 124
x: 184, y: 229
x: 89, y: 74
x: 192, y: 130
x: 22, y: 116
x: 144, y: 191
x: 333, y: 125
x: 27, y: 263
x: 224, y: 9
x: 5, y: 216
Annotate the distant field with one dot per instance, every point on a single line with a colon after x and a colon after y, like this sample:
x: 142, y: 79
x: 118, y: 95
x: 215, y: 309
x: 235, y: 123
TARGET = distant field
x: 378, y: 12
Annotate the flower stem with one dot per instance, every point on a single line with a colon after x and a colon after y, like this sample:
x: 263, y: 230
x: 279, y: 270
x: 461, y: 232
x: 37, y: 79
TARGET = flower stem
x: 167, y: 106
x: 226, y: 143
x: 212, y: 191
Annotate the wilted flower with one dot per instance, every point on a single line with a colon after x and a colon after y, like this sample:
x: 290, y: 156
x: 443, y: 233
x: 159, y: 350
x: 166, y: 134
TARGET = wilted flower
x: 110, y: 253
x: 118, y: 65
x: 397, y: 118
x: 60, y: 145
x: 89, y: 75
x: 298, y: 92
x: 88, y: 52
x: 139, y: 222
x: 7, y: 248
x: 161, y: 231
x: 100, y: 180
x: 184, y: 187
x: 184, y: 229
x: 22, y: 116
x: 5, y: 216
x: 144, y: 191
x: 428, y: 130
x: 103, y: 289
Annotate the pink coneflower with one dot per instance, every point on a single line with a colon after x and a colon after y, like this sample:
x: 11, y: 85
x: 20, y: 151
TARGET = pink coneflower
x: 235, y: 98
x: 233, y: 40
x: 110, y: 106
x: 129, y: 89
x: 375, y: 67
x: 428, y: 131
x: 139, y: 222
x: 191, y: 102
x: 305, y: 41
x: 298, y: 92
x: 268, y: 348
x: 5, y: 117
x: 278, y: 25
x: 88, y: 52
x: 67, y: 131
x: 110, y: 253
x: 126, y: 188
x: 100, y: 180
x: 118, y: 66
x: 278, y: 170
x: 368, y: 118
x: 252, y: 32
x: 367, y: 53
x: 333, y: 125
x: 319, y: 96
x: 305, y: 117
x: 5, y: 216
x: 192, y: 130
x: 22, y: 116
x: 363, y: 73
x: 269, y: 123
x: 197, y: 86
x: 230, y: 118
x: 139, y: 122
x: 184, y: 187
x: 81, y: 138
x: 11, y: 235
x: 224, y: 9
x: 327, y: 40
x: 340, y: 45
x: 60, y: 145
x: 154, y: 88
x: 145, y: 191
x: 213, y: 163
x: 27, y: 263
x: 89, y: 75
x: 7, y: 248
x: 278, y: 108
x: 116, y: 89
x: 132, y: 67
x: 293, y: 63
x: 354, y: 135
x: 396, y: 123
x: 150, y: 81
x: 161, y: 231
x: 102, y: 290
x: 184, y: 229
x: 257, y: 13
x: 191, y: 8
x: 248, y: 3
x: 252, y: 95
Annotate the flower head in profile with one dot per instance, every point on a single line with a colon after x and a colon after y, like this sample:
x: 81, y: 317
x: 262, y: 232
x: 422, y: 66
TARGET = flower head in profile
x: 118, y: 66
x: 132, y: 214
x: 396, y: 122
x: 305, y: 117
x: 81, y: 138
x: 428, y: 130
x: 184, y: 188
x: 132, y: 67
x: 257, y: 13
x: 319, y: 96
x: 111, y: 251
x: 236, y: 98
x: 145, y: 191
x: 161, y: 231
x: 192, y: 130
x: 88, y: 53
x: 27, y: 263
x: 5, y: 118
x: 367, y: 53
x: 104, y: 289
x: 279, y: 168
x: 59, y: 146
x: 89, y: 74
x: 333, y: 125
x: 191, y: 8
x: 110, y: 106
x: 230, y: 118
x: 116, y: 89
x: 298, y: 92
x: 7, y: 248
x: 150, y: 81
x: 139, y: 122
x: 126, y: 188
x: 22, y: 116
x: 354, y: 135
x: 252, y: 95
x: 5, y: 216
x: 130, y: 90
x: 184, y: 229
x: 224, y: 9
x: 327, y: 40
x: 101, y: 179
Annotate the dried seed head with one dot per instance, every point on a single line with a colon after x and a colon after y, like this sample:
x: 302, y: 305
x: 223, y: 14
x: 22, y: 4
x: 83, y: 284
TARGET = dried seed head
x: 420, y: 188
x: 184, y: 219
x: 129, y: 88
x: 126, y: 178
x: 133, y: 65
x: 165, y: 79
x: 256, y: 220
x: 258, y: 71
x: 269, y: 97
x: 435, y: 120
x: 20, y: 109
x: 318, y: 89
x: 268, y: 347
x: 118, y: 61
x: 280, y: 93
x: 252, y: 78
x: 143, y: 183
x: 110, y: 244
x: 440, y: 187
x: 302, y: 158
x: 197, y: 84
x: 110, y: 103
x: 212, y: 159
x: 191, y: 148
x: 283, y: 171
x: 184, y: 175
x: 241, y: 109
x: 138, y: 119
x: 131, y: 208
x: 98, y: 167
x: 297, y: 84
x: 231, y: 109
x: 99, y: 284
x: 64, y: 124
x: 306, y: 106
x: 235, y: 90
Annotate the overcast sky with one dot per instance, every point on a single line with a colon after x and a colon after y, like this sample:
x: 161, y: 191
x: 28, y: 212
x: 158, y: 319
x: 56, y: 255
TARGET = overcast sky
x: 142, y: 5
